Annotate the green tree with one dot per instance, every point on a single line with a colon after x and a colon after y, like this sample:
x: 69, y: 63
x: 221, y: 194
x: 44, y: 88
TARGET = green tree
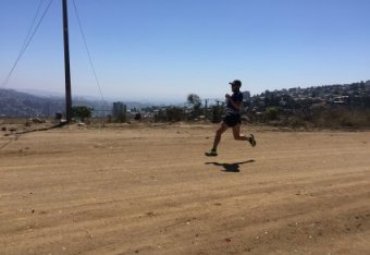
x: 195, y: 101
x: 81, y: 112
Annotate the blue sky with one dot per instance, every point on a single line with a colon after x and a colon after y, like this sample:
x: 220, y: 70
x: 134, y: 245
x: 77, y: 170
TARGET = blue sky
x: 162, y: 50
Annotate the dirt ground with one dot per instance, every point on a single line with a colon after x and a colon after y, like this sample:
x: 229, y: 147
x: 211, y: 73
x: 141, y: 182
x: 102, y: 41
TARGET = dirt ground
x: 136, y: 189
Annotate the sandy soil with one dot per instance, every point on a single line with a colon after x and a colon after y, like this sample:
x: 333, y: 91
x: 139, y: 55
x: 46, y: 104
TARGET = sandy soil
x: 140, y: 190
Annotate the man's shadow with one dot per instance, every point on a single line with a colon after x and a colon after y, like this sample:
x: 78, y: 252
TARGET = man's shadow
x: 231, y: 167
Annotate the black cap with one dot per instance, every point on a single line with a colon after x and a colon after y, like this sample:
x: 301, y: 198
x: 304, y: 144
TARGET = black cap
x: 236, y: 82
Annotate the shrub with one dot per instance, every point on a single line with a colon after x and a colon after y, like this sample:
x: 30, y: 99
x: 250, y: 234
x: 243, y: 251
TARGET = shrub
x: 272, y: 113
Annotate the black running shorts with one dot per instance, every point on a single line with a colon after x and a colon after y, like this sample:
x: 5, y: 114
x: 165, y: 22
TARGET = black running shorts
x: 232, y: 119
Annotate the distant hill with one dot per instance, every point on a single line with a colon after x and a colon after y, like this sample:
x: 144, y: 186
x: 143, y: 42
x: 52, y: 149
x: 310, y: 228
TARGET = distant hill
x: 358, y: 89
x: 19, y: 104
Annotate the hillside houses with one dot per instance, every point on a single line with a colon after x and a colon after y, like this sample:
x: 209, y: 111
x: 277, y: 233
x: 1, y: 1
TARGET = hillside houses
x: 354, y: 94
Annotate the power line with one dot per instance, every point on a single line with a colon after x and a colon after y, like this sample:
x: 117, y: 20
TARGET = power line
x: 87, y: 50
x: 32, y: 24
x: 27, y: 42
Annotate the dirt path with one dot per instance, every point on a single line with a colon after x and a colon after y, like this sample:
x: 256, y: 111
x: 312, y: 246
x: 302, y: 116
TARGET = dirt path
x: 151, y: 191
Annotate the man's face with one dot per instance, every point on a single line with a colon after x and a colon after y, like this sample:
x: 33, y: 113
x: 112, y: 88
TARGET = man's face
x: 235, y: 88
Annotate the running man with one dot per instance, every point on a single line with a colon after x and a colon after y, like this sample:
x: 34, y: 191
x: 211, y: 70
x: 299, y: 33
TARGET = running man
x: 232, y: 118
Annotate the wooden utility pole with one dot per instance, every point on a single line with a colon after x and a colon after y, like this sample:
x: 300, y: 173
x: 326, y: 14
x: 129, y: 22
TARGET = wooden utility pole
x: 67, y: 63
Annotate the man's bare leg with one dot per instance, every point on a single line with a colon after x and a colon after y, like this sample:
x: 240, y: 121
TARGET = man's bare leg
x: 240, y: 137
x: 218, y: 135
x: 213, y: 152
